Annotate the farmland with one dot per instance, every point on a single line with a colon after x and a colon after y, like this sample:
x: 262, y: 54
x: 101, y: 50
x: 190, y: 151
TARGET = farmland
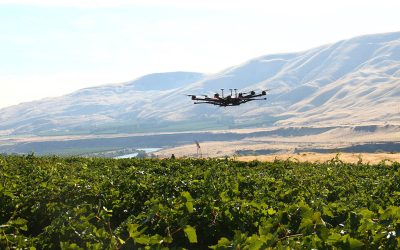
x: 97, y: 203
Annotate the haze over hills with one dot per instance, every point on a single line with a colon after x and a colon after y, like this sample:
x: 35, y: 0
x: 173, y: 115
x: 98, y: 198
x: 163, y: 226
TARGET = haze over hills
x: 355, y: 81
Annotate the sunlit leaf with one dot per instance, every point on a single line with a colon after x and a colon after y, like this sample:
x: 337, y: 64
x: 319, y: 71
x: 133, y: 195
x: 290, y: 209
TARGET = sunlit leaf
x: 190, y: 233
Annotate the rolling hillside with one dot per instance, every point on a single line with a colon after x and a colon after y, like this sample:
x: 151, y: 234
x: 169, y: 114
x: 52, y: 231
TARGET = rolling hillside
x: 355, y: 81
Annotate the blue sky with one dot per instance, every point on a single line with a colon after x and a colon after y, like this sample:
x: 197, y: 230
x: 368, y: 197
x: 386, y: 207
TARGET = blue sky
x: 49, y: 48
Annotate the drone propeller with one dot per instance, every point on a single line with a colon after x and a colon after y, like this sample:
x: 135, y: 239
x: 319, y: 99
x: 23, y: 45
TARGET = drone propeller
x: 254, y: 99
x: 250, y: 92
x: 198, y: 95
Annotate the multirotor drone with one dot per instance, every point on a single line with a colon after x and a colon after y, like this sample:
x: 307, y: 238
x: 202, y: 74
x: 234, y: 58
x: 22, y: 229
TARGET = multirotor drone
x: 229, y: 100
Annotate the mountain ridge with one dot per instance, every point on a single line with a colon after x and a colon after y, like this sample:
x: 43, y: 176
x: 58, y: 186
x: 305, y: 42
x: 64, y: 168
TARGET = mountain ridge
x: 353, y: 81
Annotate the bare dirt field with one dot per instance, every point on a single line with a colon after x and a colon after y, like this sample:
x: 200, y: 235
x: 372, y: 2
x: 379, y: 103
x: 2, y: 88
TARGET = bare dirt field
x: 342, y: 139
x: 366, y: 158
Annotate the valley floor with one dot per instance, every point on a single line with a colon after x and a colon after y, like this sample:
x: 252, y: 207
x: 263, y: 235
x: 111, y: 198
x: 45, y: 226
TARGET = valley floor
x: 284, y: 141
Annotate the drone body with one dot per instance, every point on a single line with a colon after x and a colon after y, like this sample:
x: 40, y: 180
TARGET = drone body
x: 229, y: 100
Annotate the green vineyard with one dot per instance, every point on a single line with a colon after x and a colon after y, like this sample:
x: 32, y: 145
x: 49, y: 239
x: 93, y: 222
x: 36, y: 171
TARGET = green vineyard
x: 98, y: 203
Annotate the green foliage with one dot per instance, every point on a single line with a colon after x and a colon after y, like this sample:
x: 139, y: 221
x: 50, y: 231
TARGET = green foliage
x: 95, y: 203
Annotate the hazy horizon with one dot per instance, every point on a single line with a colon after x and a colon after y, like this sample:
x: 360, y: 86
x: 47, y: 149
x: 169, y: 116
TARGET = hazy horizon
x: 50, y: 49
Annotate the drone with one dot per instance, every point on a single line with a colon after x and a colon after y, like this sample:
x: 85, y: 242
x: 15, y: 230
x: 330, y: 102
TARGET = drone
x: 229, y: 100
